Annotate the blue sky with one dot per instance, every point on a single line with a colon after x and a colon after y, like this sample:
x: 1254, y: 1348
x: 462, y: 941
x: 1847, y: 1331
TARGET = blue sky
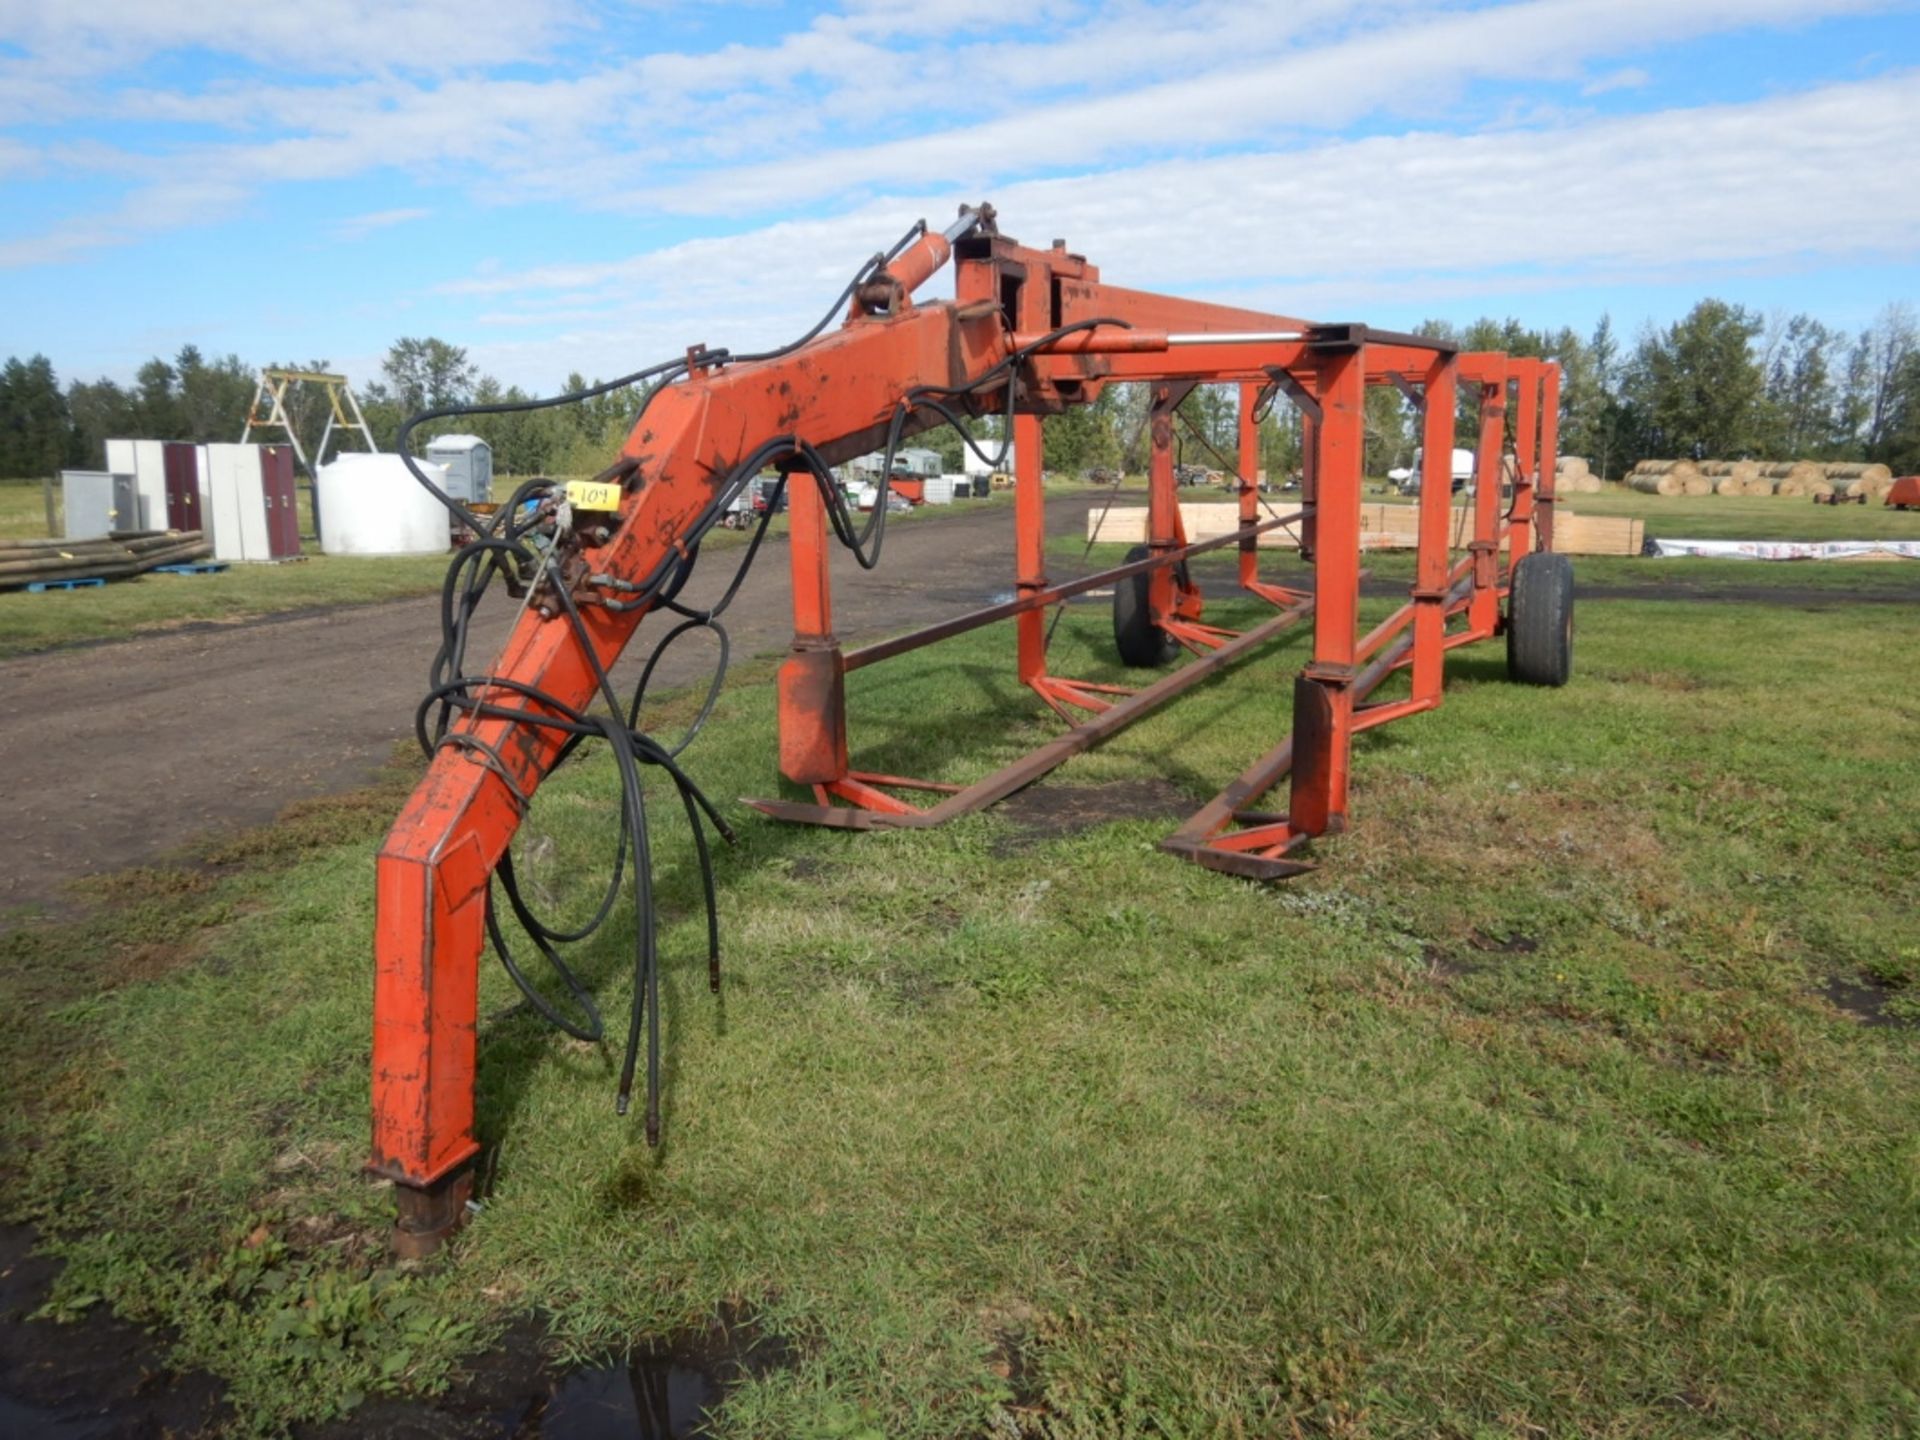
x: 566, y: 185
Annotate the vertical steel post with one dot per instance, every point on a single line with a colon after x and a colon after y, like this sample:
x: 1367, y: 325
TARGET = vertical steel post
x: 1483, y: 605
x: 1030, y: 542
x: 1309, y: 486
x: 1163, y: 502
x: 1249, y: 483
x: 1436, y: 517
x: 1323, y: 691
x: 812, y: 684
x: 1545, y: 489
x: 1526, y: 458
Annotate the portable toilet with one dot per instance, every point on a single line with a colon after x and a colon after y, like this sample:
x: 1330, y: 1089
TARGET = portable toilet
x: 468, y: 461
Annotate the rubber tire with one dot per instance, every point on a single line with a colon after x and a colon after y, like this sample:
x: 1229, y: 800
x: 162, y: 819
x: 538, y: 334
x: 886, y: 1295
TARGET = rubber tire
x: 1540, y: 620
x: 1141, y: 643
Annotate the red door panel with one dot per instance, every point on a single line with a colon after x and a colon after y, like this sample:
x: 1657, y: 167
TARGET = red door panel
x: 182, y: 465
x: 283, y: 514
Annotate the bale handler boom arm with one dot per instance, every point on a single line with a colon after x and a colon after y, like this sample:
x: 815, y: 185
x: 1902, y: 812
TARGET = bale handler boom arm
x: 1047, y: 334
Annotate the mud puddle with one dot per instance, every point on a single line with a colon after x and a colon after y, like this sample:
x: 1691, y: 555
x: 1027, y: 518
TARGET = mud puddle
x: 97, y: 1378
x: 100, y: 1378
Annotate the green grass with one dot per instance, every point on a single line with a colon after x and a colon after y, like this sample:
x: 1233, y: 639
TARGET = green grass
x: 158, y: 602
x: 1521, y: 1116
x: 1700, y: 518
x: 23, y: 510
x: 1747, y: 517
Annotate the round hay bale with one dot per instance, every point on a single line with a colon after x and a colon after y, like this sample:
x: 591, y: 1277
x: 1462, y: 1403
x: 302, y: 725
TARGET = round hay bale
x: 1655, y: 484
x: 1568, y: 467
x: 1803, y: 482
x: 1857, y: 471
x: 1716, y: 468
x: 1871, y: 486
x: 1692, y: 482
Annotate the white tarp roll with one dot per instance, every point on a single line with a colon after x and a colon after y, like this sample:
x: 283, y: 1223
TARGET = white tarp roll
x: 1786, y: 549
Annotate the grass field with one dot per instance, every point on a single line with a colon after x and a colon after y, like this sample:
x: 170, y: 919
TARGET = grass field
x: 1527, y: 1114
x: 160, y: 602
x: 35, y: 622
x: 1697, y: 518
x: 23, y: 511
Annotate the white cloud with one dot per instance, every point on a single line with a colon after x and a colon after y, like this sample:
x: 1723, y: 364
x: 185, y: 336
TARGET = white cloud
x: 16, y: 158
x: 358, y: 227
x: 745, y: 130
x: 1631, y: 77
x: 147, y: 211
x: 1327, y: 86
x: 339, y: 36
x: 1326, y: 230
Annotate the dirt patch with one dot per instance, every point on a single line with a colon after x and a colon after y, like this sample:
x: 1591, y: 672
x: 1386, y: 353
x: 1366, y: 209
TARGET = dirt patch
x: 210, y: 728
x: 1512, y: 945
x: 1045, y: 812
x: 1675, y: 681
x: 811, y: 867
x: 1442, y: 965
x: 1867, y: 1001
x: 143, y: 964
x: 1015, y: 1354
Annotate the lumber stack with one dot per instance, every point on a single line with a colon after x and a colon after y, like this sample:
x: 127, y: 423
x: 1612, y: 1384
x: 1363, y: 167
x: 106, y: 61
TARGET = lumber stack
x: 1382, y: 527
x: 109, y: 557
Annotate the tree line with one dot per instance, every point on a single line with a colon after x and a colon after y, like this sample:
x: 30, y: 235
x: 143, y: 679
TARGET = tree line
x: 1723, y: 382
x: 45, y: 428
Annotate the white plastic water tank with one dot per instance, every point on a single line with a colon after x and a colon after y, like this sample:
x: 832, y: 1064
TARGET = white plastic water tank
x: 370, y: 505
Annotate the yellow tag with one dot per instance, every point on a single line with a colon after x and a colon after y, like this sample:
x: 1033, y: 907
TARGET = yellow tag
x: 593, y: 494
